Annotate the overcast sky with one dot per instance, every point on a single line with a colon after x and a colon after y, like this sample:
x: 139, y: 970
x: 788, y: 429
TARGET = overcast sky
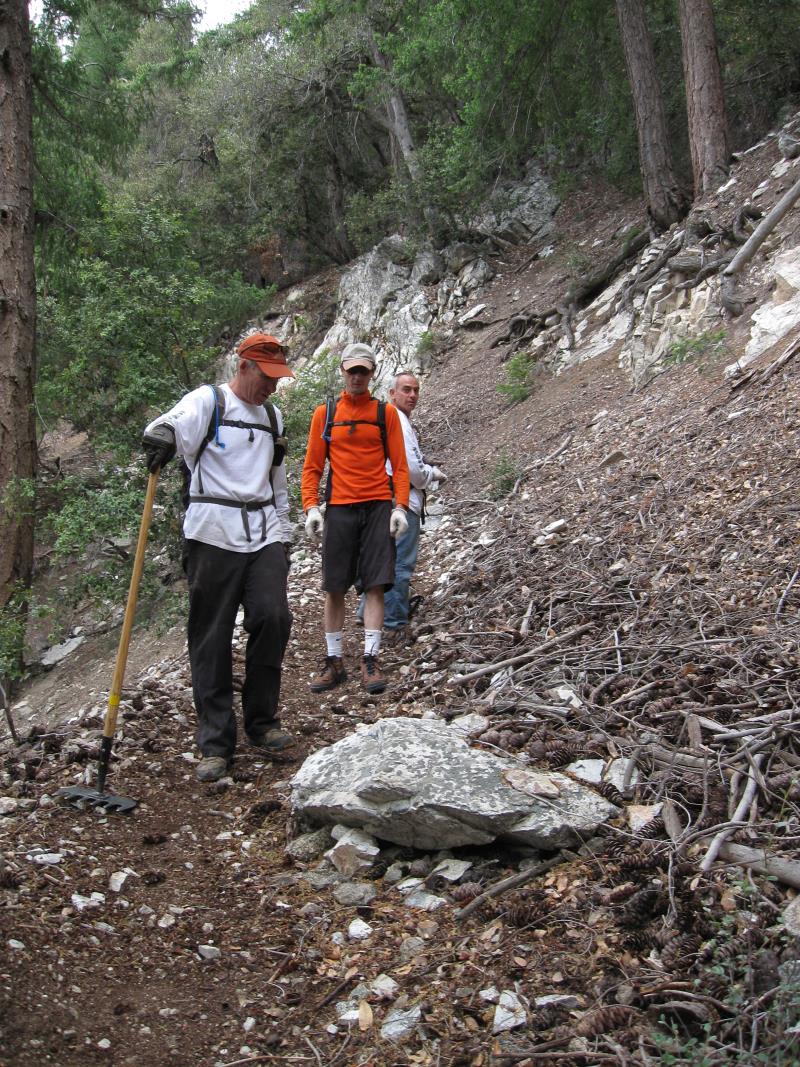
x: 218, y: 12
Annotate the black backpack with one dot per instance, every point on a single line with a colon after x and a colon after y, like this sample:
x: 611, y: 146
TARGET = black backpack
x: 216, y: 421
x: 330, y: 421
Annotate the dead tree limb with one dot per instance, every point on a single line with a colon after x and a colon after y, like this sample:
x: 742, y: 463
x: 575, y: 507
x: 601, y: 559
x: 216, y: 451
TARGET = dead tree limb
x: 752, y: 245
x: 576, y: 631
x: 786, y: 871
x: 513, y: 882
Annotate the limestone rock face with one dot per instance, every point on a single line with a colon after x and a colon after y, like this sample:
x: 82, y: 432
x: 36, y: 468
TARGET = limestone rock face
x: 418, y: 783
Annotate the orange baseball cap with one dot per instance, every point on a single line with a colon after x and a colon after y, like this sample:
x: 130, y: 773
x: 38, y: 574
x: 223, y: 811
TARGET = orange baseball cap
x: 268, y: 353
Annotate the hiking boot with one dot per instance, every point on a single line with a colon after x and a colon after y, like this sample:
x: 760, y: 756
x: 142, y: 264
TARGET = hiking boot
x: 272, y: 740
x: 371, y: 677
x: 332, y: 674
x: 211, y: 769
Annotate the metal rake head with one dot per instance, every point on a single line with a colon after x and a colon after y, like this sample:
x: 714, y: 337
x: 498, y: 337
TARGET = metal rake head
x: 80, y: 795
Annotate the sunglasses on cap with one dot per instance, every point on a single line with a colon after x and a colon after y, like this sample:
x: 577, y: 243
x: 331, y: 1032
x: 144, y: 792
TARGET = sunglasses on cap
x: 358, y: 370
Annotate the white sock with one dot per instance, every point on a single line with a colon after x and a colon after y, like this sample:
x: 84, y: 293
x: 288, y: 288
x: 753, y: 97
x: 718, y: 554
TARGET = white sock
x: 372, y: 642
x: 334, y: 643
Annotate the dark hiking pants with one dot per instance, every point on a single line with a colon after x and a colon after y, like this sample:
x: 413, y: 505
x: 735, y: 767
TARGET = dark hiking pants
x: 219, y: 582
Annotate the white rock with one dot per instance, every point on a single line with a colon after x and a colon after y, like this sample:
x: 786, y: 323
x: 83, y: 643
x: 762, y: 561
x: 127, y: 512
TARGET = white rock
x: 117, y: 881
x: 588, y: 770
x: 8, y: 805
x: 80, y: 903
x: 358, y: 930
x: 399, y: 1024
x: 17, y: 945
x: 469, y: 725
x: 383, y: 987
x: 509, y: 1013
x: 425, y: 901
x: 209, y: 952
x: 48, y: 859
x: 452, y: 869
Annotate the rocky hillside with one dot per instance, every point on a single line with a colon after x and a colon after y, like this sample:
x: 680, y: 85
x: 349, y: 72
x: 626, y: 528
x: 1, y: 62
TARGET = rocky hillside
x: 610, y: 594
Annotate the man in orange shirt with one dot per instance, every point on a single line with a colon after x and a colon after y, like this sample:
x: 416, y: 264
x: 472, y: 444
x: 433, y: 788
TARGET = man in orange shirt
x: 365, y: 513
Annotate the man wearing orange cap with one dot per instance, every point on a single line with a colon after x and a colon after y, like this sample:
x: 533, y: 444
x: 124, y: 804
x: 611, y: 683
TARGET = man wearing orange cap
x: 237, y: 533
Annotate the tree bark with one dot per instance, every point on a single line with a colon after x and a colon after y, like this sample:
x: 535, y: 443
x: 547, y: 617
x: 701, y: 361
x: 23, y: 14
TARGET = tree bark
x: 17, y: 303
x: 400, y: 127
x: 705, y: 95
x: 664, y: 200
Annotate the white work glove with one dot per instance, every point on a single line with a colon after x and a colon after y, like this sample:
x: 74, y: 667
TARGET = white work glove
x: 398, y: 523
x: 438, y: 475
x: 314, y: 523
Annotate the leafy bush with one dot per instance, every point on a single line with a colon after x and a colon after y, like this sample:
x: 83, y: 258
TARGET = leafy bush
x: 130, y: 326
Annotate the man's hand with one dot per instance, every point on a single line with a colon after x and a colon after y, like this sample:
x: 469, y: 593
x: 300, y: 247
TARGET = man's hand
x: 438, y: 475
x: 287, y: 548
x: 314, y: 523
x: 398, y: 523
x: 159, y: 446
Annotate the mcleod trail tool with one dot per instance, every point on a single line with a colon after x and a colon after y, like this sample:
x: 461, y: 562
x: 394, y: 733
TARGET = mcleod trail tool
x: 98, y: 797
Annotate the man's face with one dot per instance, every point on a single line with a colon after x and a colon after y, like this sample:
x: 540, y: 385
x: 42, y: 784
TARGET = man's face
x: 405, y: 394
x: 357, y: 379
x: 255, y: 386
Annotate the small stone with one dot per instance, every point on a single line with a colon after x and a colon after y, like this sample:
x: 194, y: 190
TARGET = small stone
x: 117, y: 881
x: 358, y: 930
x: 8, y: 805
x: 411, y: 947
x: 209, y: 952
x: 399, y: 1024
x: 509, y: 1013
x: 355, y: 893
x: 17, y: 945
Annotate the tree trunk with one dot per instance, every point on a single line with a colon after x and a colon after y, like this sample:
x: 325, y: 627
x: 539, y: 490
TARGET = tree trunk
x: 400, y: 128
x: 705, y: 95
x: 664, y: 200
x: 17, y: 303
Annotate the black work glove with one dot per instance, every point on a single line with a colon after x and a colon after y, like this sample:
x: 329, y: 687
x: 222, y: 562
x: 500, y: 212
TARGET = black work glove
x: 287, y: 548
x: 159, y: 446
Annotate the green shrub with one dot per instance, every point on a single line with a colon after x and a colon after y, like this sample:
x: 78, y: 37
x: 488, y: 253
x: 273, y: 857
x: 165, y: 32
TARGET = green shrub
x: 504, y: 475
x: 701, y: 349
x: 519, y: 382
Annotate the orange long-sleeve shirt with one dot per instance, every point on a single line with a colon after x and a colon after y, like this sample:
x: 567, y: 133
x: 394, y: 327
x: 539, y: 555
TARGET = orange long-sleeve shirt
x: 358, y: 463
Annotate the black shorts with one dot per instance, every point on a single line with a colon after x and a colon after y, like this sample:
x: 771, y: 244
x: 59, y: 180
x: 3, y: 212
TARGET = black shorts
x: 357, y: 546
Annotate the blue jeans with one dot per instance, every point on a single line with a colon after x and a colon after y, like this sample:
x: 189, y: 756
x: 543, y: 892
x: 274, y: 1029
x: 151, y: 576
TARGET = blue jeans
x: 396, y: 600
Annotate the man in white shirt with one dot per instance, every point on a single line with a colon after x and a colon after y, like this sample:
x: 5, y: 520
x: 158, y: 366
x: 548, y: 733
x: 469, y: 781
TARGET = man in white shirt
x: 237, y: 533
x: 405, y: 396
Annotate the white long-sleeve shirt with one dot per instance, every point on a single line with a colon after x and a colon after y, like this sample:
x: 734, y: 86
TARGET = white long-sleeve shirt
x: 239, y: 472
x: 420, y: 473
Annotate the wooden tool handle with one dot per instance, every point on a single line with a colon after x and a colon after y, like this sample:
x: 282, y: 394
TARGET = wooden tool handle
x: 110, y: 724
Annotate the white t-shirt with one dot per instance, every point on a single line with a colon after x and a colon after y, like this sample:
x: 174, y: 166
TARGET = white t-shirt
x: 420, y: 473
x: 239, y: 471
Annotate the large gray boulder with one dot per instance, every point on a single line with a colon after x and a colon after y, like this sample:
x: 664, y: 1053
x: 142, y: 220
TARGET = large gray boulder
x: 418, y: 783
x: 521, y: 211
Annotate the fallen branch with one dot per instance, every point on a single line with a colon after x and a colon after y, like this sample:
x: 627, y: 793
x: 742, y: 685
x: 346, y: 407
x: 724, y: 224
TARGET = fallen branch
x: 576, y: 631
x: 763, y: 230
x: 739, y: 816
x: 786, y: 871
x: 512, y: 882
